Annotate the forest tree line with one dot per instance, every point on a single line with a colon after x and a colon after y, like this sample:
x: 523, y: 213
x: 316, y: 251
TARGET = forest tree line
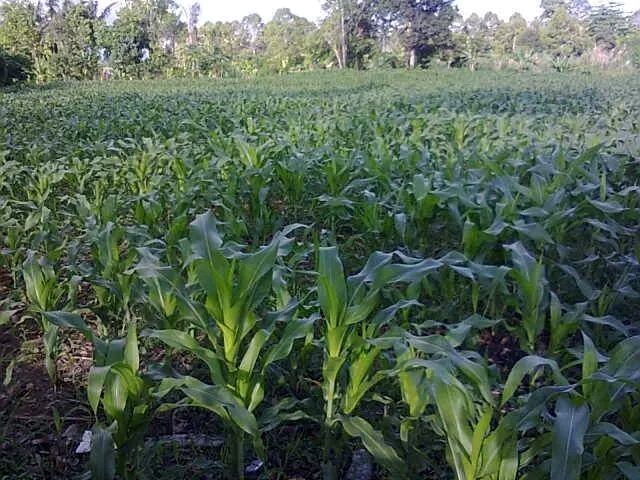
x: 75, y: 39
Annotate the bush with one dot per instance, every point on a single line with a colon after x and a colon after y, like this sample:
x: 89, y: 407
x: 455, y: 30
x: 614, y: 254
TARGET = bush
x: 13, y: 68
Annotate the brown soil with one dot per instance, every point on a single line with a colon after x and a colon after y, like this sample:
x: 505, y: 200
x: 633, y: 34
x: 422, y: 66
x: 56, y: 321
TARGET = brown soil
x: 41, y: 424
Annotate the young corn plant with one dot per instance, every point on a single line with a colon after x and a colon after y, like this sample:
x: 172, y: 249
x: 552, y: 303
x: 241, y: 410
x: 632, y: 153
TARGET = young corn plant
x: 44, y: 293
x: 114, y: 283
x: 479, y: 446
x: 243, y: 336
x: 120, y: 396
x: 350, y: 328
x: 529, y: 275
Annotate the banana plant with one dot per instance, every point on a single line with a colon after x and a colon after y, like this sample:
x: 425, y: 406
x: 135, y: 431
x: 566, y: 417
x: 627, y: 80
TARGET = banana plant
x: 244, y: 336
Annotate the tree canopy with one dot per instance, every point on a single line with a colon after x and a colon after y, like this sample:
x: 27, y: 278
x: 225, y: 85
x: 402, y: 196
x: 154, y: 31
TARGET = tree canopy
x: 74, y: 39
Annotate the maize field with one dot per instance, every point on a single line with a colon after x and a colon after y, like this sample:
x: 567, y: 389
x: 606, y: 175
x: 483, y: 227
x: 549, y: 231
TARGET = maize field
x: 435, y: 271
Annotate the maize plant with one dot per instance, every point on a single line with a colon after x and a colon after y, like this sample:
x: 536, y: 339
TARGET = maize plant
x: 243, y: 337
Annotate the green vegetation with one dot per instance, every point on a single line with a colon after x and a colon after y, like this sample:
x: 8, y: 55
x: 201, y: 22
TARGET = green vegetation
x: 76, y: 40
x: 439, y: 267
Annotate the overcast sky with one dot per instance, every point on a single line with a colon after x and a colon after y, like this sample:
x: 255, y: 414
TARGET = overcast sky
x: 226, y: 10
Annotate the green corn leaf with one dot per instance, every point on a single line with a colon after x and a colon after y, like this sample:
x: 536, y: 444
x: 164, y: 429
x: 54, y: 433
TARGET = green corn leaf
x: 183, y: 341
x: 414, y: 387
x: 373, y: 441
x: 602, y: 429
x: 630, y: 471
x: 131, y: 354
x: 509, y: 462
x: 371, y: 271
x: 332, y: 288
x: 474, y: 372
x: 296, y: 329
x: 402, y: 273
x: 69, y: 320
x: 608, y: 320
x: 95, y: 385
x: 526, y: 366
x: 359, y: 378
x: 625, y: 359
x: 480, y: 432
x: 455, y: 409
x: 361, y: 309
x: 570, y: 426
x: 253, y: 350
x: 589, y: 363
x: 103, y: 455
x: 115, y: 396
x: 204, y: 235
x: 532, y: 230
x: 223, y: 402
x: 253, y: 275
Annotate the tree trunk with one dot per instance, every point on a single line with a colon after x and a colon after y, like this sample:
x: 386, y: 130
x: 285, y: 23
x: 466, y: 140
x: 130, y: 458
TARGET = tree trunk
x: 336, y: 52
x: 412, y: 59
x: 343, y: 40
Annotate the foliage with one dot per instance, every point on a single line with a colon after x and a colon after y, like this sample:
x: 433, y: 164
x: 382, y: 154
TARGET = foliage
x: 72, y: 40
x: 13, y: 68
x: 423, y: 264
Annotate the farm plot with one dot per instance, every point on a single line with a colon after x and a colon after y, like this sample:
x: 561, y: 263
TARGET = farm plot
x: 332, y: 275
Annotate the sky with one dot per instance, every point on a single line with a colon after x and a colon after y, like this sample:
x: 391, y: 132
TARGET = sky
x: 227, y: 10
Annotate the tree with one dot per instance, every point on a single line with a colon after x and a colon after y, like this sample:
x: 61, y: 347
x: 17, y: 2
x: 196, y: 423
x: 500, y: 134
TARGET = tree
x: 19, y: 29
x: 13, y: 68
x: 562, y: 35
x: 251, y: 31
x: 509, y: 34
x: 192, y: 23
x: 551, y: 8
x: 350, y: 30
x: 472, y: 41
x: 286, y: 39
x: 608, y: 25
x: 424, y: 26
x: 71, y: 42
x: 580, y: 9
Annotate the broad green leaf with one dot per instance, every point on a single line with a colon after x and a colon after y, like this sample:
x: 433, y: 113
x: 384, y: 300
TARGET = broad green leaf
x: 131, y: 354
x: 570, y: 426
x: 527, y: 366
x: 296, y: 329
x: 601, y: 429
x: 103, y: 454
x: 589, y: 363
x: 332, y: 288
x: 223, y: 402
x: 632, y: 472
x: 95, y: 385
x: 183, y: 341
x: 373, y: 441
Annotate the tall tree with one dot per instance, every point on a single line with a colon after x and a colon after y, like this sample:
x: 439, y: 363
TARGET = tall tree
x: 350, y: 30
x: 252, y: 30
x: 564, y: 36
x: 424, y: 26
x: 609, y: 25
x: 580, y: 9
x: 509, y: 34
x: 192, y: 23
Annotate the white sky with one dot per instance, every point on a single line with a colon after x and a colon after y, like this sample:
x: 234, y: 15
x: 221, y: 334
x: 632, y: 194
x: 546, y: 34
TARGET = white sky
x: 226, y: 10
